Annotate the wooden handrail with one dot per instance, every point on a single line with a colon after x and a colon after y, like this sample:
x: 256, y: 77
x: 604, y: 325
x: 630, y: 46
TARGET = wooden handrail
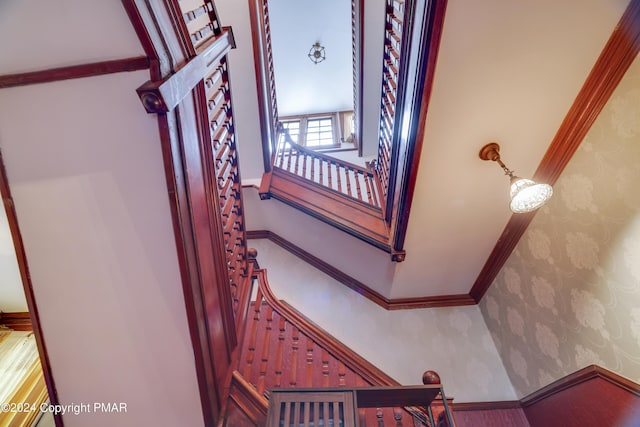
x: 346, y: 178
x: 341, y: 405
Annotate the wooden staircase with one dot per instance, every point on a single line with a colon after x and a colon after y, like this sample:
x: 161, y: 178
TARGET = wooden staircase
x: 282, y: 349
x: 342, y: 194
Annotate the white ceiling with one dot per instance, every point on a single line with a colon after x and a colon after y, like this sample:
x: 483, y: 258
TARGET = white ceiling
x: 302, y: 86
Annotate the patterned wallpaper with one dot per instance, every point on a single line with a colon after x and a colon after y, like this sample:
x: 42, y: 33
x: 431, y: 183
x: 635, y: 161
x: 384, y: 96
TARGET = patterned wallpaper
x: 569, y: 295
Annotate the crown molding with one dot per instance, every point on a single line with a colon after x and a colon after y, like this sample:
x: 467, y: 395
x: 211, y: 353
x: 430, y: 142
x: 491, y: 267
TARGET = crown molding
x: 356, y: 285
x: 611, y: 66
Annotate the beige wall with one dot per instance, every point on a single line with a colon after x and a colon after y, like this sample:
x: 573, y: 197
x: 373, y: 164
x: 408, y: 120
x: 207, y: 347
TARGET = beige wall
x: 85, y: 168
x: 11, y: 292
x: 569, y: 295
x: 453, y: 341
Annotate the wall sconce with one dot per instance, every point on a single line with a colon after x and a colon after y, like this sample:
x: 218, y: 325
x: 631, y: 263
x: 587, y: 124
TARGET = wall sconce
x: 526, y: 195
x: 316, y: 53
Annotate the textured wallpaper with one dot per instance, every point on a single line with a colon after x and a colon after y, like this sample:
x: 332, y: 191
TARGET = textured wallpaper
x: 454, y: 341
x: 569, y: 295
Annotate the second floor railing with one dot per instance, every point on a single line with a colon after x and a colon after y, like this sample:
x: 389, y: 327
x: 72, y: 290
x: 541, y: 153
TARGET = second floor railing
x: 346, y: 178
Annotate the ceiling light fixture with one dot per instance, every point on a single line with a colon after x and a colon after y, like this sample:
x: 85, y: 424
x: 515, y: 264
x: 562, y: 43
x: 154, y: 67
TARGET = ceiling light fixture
x: 526, y: 195
x: 316, y: 53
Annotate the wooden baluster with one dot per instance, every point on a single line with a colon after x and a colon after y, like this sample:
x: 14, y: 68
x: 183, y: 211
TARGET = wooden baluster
x: 341, y: 374
x: 283, y: 148
x: 304, y: 165
x: 265, y: 351
x: 397, y: 415
x: 307, y: 414
x: 339, y: 178
x: 296, y: 414
x: 287, y: 414
x: 253, y: 337
x: 358, y: 190
x: 295, y: 340
x: 362, y: 417
x: 321, y: 168
x: 297, y: 162
x: 309, y: 367
x: 316, y: 413
x: 368, y: 180
x: 279, y: 352
x: 380, y: 417
x: 325, y: 413
x: 313, y: 165
x: 346, y: 171
x: 329, y: 174
x: 325, y: 368
x: 289, y: 159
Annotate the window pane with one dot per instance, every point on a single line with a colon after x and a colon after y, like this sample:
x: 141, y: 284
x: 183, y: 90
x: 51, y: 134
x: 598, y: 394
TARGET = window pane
x: 293, y: 127
x: 319, y: 132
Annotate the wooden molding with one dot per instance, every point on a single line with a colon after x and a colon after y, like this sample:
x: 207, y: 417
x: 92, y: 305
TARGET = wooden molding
x: 74, y: 72
x: 18, y: 321
x: 615, y: 59
x: 487, y: 406
x: 356, y: 285
x: 245, y: 397
x: 417, y: 80
x: 585, y: 374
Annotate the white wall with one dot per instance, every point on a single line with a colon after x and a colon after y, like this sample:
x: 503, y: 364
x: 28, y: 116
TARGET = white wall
x: 11, y: 292
x: 85, y: 168
x: 454, y: 341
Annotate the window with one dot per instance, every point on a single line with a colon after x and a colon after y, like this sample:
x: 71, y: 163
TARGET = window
x: 316, y: 132
x: 319, y: 132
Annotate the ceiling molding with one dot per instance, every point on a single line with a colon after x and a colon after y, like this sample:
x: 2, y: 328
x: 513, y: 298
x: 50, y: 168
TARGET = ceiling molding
x: 356, y: 285
x: 74, y: 72
x: 615, y: 59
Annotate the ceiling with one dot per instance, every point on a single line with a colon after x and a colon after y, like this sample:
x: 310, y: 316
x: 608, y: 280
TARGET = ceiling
x: 302, y: 86
x: 506, y: 72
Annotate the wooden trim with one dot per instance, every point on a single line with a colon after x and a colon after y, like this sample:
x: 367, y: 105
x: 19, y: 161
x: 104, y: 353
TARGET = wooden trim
x: 487, y: 406
x: 585, y: 374
x: 18, y: 321
x: 260, y: 60
x: 74, y: 72
x: 23, y: 266
x: 423, y: 45
x: 164, y: 95
x: 247, y: 395
x: 615, y: 59
x: 359, y: 287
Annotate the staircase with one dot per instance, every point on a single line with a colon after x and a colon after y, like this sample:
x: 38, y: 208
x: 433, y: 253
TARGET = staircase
x: 282, y: 349
x: 339, y: 193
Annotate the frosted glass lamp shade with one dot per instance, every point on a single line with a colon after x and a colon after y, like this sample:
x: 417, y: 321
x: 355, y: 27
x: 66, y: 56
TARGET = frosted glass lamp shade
x: 527, y: 195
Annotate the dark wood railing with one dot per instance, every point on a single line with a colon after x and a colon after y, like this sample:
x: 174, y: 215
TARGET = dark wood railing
x: 342, y: 406
x: 346, y: 178
x: 265, y: 78
x: 393, y: 33
x: 201, y: 20
x: 283, y: 349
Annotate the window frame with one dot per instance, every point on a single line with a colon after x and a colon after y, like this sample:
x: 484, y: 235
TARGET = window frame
x: 303, y: 129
